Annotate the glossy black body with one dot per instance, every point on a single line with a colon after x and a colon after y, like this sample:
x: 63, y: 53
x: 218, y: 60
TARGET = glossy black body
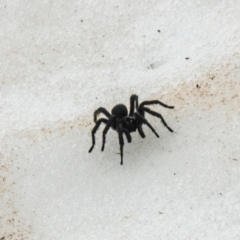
x: 125, y: 123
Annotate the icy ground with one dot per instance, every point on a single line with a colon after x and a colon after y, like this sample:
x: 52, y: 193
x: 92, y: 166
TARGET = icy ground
x: 60, y: 60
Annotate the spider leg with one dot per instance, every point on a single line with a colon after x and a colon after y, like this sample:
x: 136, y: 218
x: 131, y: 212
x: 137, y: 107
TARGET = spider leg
x: 154, y: 102
x: 101, y: 110
x: 157, y: 115
x: 104, y: 134
x: 144, y: 120
x: 127, y: 133
x: 121, y: 142
x: 140, y: 130
x: 133, y: 98
x: 102, y: 120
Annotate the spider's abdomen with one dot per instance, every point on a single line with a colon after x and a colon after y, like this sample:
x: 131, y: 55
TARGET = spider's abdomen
x: 120, y: 111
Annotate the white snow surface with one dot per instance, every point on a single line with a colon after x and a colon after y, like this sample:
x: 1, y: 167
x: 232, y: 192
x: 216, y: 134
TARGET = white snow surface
x: 60, y: 61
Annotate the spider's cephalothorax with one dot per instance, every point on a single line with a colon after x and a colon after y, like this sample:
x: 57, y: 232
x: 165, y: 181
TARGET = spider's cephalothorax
x: 125, y: 123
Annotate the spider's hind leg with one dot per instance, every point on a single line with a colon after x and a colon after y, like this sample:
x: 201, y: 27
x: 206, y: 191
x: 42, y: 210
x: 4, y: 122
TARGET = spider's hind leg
x: 157, y: 115
x: 101, y: 110
x: 133, y: 98
x: 102, y: 120
x: 155, y: 102
x: 104, y: 135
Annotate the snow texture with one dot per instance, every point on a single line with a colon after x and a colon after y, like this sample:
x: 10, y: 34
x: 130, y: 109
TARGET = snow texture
x: 61, y: 60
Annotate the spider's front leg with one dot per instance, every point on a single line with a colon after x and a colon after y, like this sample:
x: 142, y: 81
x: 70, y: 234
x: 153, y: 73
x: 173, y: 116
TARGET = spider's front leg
x: 140, y: 130
x: 128, y: 135
x: 145, y: 121
x: 121, y: 141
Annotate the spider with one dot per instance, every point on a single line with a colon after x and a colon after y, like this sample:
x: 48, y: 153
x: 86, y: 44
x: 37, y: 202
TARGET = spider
x: 125, y: 123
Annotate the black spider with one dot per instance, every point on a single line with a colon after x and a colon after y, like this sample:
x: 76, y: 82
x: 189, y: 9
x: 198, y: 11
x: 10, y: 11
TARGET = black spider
x: 125, y: 123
